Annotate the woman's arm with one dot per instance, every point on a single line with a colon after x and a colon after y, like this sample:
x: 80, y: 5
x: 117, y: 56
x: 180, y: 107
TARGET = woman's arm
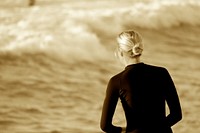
x: 172, y: 102
x: 109, y: 105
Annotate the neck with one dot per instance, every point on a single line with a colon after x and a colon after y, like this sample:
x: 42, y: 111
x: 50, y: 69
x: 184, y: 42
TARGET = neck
x: 133, y: 61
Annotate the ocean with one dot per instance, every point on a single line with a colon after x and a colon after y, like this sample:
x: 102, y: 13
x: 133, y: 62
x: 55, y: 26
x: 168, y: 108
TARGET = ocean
x: 56, y: 59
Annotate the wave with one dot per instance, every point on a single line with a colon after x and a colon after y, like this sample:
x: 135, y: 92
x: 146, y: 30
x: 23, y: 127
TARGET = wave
x: 162, y: 14
x: 7, y: 122
x: 72, y: 33
x: 149, y: 15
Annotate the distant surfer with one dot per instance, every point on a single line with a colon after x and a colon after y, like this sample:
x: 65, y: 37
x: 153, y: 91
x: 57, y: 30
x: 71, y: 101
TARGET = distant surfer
x: 143, y: 90
x: 32, y: 2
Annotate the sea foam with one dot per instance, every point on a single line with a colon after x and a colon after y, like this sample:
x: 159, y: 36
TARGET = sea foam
x: 79, y: 32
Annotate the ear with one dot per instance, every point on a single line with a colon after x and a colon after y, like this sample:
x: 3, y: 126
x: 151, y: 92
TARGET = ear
x: 121, y: 53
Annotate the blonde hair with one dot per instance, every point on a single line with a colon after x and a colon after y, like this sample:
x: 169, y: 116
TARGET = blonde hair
x: 131, y: 42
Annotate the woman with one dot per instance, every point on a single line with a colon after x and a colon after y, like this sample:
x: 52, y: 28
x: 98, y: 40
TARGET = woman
x: 142, y: 89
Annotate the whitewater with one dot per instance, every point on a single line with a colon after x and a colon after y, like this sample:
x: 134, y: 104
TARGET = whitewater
x: 56, y: 59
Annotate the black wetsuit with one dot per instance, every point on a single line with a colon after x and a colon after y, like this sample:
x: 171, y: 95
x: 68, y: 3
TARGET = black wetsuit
x: 143, y: 90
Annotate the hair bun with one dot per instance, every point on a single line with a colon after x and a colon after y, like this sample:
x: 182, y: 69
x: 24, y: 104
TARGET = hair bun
x: 137, y: 49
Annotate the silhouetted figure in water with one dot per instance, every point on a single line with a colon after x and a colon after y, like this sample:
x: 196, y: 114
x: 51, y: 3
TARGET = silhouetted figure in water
x: 32, y: 2
x: 143, y: 90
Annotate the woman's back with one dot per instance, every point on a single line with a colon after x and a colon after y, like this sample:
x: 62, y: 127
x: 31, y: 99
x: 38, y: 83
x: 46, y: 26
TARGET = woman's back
x: 142, y: 91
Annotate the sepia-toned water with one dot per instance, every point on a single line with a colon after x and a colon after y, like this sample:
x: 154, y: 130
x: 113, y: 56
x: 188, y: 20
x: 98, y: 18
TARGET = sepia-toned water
x: 56, y: 60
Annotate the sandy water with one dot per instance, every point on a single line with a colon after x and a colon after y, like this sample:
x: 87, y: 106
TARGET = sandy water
x: 56, y: 60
